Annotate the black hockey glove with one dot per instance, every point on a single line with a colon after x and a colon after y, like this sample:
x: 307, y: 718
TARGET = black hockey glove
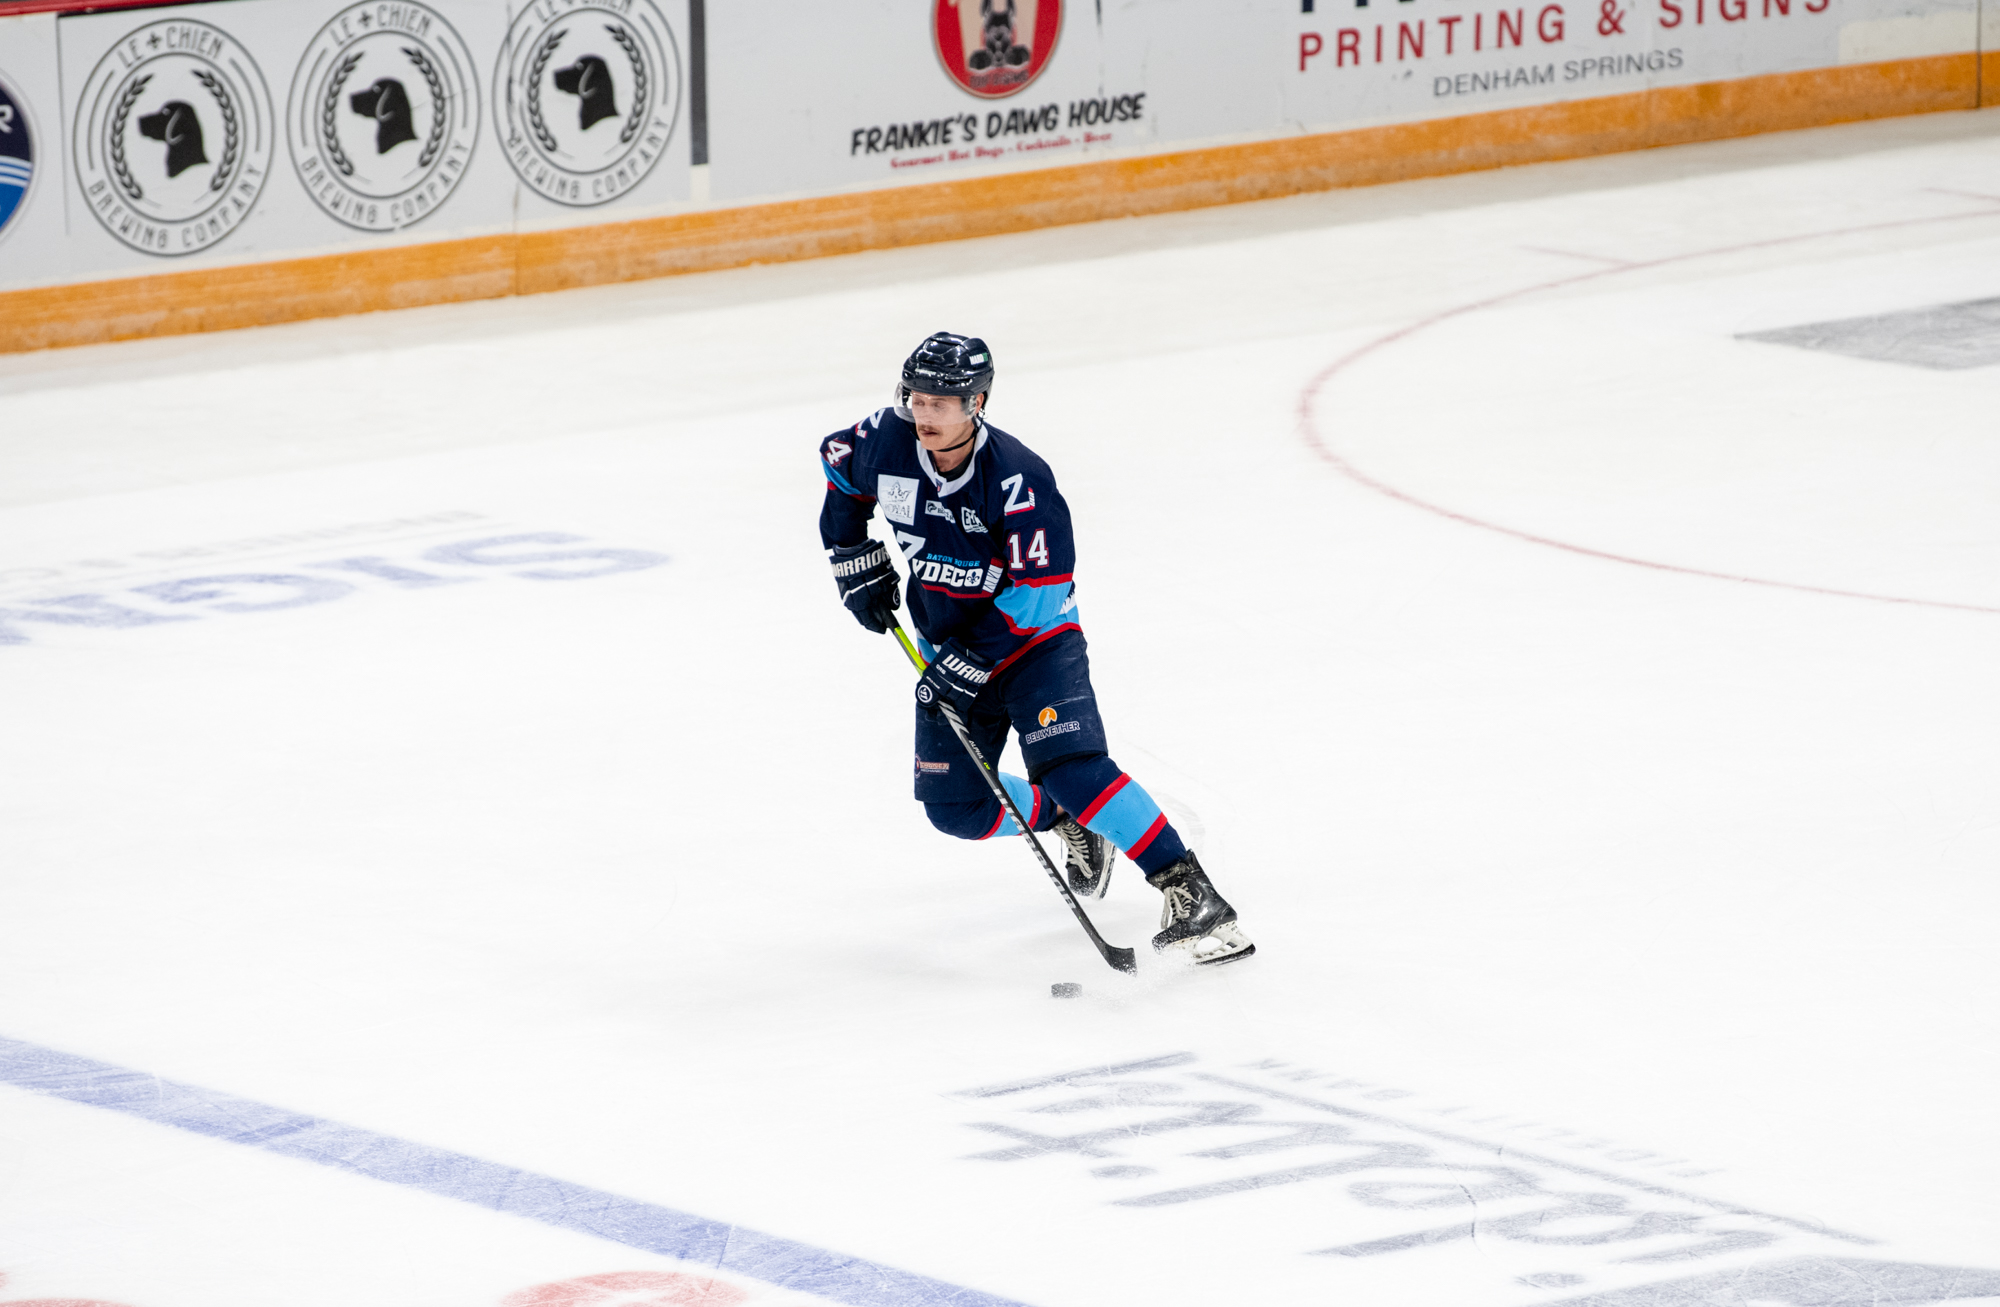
x: 867, y: 584
x: 955, y: 677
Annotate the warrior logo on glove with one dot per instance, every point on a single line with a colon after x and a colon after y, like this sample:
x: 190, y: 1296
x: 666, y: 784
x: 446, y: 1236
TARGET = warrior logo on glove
x: 955, y: 677
x: 867, y: 584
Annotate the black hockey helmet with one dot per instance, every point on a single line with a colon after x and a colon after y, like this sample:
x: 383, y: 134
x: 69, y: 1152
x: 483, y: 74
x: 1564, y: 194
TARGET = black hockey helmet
x: 947, y: 365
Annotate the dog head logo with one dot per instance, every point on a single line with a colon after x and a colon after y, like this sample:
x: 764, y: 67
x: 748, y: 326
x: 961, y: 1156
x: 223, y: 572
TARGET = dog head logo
x: 383, y: 115
x: 589, y: 80
x: 172, y: 135
x: 175, y: 123
x: 389, y: 105
x: 621, y: 70
x: 1002, y: 32
x: 994, y: 48
x: 1046, y: 716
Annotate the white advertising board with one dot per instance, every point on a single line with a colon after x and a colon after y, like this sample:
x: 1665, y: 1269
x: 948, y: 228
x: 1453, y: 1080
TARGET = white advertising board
x: 590, y: 106
x: 1432, y: 58
x: 225, y: 133
x: 249, y: 130
x: 147, y: 140
x: 884, y: 92
x: 31, y: 163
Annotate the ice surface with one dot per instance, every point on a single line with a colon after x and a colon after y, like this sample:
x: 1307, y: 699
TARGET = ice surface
x: 1943, y: 336
x: 440, y: 725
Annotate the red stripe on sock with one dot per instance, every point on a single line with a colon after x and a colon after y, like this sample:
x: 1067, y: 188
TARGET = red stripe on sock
x: 1139, y: 846
x: 1110, y: 791
x: 1035, y: 816
x: 995, y: 828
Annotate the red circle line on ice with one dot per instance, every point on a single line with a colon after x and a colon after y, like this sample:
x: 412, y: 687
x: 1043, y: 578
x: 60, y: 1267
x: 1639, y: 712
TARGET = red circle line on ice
x: 1309, y: 429
x: 630, y: 1289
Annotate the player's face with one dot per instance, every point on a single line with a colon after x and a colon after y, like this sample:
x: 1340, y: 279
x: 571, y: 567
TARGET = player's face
x: 941, y: 420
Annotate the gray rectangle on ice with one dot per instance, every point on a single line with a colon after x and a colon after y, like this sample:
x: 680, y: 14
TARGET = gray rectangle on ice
x: 1945, y: 336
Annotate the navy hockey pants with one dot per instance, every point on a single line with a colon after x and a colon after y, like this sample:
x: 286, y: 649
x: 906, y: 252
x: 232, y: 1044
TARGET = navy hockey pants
x: 1046, y: 698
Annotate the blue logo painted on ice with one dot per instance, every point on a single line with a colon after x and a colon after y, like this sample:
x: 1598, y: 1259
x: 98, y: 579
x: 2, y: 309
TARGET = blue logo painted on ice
x: 1450, y: 1206
x: 17, y: 154
x: 256, y: 585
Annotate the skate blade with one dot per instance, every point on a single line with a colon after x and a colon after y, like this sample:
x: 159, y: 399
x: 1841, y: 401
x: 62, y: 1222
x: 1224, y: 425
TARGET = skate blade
x: 1226, y: 943
x: 1103, y: 883
x: 1084, y: 890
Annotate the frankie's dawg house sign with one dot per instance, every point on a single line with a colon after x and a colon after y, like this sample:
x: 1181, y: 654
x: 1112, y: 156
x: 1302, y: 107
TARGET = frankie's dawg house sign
x: 994, y: 48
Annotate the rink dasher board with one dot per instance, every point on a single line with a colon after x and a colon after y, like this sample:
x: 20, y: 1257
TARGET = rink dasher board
x: 776, y: 115
x: 1144, y: 79
x: 287, y: 165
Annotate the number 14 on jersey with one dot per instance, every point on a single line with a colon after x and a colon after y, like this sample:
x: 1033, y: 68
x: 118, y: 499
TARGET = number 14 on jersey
x: 1038, y: 550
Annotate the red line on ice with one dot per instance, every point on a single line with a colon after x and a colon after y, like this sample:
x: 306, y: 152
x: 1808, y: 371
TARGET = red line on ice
x: 1309, y: 430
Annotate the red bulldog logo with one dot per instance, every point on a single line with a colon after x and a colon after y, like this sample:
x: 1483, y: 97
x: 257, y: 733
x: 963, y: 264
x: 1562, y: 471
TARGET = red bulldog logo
x: 994, y: 48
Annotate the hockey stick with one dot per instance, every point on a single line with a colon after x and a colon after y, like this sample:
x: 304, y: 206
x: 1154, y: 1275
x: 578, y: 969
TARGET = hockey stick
x: 1118, y: 959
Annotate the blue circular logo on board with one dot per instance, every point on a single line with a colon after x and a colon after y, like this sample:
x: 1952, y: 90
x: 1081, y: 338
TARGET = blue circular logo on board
x: 17, y: 154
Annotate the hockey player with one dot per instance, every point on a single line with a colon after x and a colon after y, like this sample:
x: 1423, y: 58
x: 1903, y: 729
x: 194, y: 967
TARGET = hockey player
x: 986, y: 534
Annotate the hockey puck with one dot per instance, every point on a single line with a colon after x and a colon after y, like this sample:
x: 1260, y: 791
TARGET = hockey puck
x: 1065, y: 989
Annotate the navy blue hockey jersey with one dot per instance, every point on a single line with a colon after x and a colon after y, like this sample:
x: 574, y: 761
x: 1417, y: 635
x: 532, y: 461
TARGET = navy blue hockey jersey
x: 989, y: 549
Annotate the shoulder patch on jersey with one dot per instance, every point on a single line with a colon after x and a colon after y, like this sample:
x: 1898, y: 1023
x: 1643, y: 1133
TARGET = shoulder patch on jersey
x: 1014, y: 486
x: 899, y: 498
x: 935, y: 509
x: 971, y: 521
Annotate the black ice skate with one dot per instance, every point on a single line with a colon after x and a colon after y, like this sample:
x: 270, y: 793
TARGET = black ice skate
x: 1196, y: 919
x: 1089, y: 855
